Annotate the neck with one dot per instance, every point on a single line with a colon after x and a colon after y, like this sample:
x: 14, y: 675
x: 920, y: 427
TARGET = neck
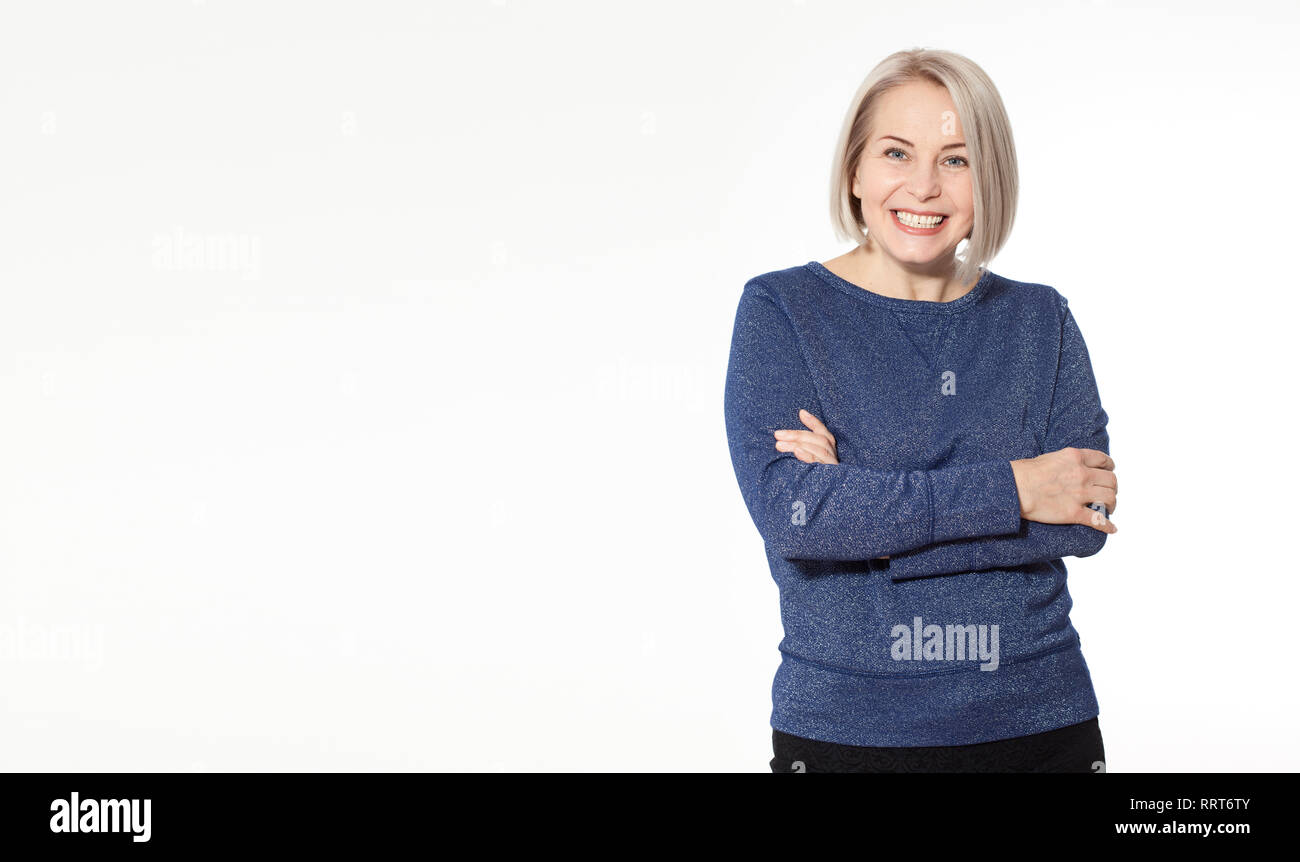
x: 934, y: 282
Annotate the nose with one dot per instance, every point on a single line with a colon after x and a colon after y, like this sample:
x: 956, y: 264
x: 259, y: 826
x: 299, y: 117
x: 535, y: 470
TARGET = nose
x: 923, y: 181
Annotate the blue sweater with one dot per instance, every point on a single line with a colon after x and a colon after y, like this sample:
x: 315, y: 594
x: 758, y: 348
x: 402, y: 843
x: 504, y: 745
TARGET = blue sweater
x: 963, y: 635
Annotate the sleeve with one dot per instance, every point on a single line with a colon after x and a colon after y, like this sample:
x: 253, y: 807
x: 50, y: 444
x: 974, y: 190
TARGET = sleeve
x: 1076, y: 418
x: 834, y: 511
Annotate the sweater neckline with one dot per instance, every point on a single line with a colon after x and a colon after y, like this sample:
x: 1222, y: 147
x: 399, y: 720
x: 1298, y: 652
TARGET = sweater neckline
x: 897, y: 304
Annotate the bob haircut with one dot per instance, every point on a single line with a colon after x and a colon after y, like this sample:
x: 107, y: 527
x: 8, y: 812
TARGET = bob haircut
x: 995, y: 179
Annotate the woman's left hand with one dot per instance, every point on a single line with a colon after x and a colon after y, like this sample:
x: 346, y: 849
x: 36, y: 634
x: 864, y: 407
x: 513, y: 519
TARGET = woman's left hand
x: 814, y: 447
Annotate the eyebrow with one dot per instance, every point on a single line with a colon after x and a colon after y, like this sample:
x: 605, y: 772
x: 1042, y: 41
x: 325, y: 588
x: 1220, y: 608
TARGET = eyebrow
x: 910, y: 144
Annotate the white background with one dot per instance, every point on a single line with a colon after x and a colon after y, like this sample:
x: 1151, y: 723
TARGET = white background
x: 435, y: 476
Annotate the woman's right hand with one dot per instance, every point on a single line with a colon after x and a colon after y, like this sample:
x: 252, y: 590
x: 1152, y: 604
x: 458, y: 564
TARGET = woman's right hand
x: 1056, y: 487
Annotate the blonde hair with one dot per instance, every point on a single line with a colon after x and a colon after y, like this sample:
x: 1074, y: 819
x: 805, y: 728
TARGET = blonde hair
x: 995, y: 179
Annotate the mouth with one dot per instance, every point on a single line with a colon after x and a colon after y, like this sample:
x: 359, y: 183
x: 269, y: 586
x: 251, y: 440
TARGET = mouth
x: 912, y: 223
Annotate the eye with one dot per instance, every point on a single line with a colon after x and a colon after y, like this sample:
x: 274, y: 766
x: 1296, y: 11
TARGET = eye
x: 964, y: 163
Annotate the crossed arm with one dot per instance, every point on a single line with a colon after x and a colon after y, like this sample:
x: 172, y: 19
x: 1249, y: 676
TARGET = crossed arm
x: 928, y: 522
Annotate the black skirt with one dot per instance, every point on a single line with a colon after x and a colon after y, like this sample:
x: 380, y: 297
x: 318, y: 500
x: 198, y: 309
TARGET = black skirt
x: 1077, y: 748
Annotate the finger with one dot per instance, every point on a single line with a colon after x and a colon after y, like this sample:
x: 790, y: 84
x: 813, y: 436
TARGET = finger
x: 813, y: 456
x: 1103, y: 498
x: 816, y: 424
x: 812, y: 444
x: 1097, y: 458
x: 789, y: 434
x: 803, y: 437
x: 1097, y: 519
x: 817, y: 450
x: 808, y: 456
x: 1097, y: 494
x: 811, y: 439
x: 1103, y: 479
x: 795, y: 450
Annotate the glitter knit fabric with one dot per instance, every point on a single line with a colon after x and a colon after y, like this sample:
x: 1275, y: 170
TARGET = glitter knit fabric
x: 963, y: 635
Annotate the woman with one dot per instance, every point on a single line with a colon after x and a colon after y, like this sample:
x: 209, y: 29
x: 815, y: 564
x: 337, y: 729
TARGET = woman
x: 920, y: 442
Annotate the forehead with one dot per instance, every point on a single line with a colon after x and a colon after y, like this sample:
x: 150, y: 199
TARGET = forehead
x: 918, y: 110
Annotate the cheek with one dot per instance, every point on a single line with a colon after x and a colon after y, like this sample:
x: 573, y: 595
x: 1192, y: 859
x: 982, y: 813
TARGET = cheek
x: 964, y: 196
x: 870, y: 192
x: 875, y: 185
x: 964, y: 205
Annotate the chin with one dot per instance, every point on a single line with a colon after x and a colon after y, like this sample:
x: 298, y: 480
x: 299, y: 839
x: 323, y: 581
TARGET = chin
x: 916, y: 259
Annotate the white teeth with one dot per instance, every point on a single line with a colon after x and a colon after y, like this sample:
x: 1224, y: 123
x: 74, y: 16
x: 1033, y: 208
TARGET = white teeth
x: 918, y: 221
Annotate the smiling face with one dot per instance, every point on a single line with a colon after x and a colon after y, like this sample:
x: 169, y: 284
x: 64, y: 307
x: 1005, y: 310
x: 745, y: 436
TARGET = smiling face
x: 916, y: 163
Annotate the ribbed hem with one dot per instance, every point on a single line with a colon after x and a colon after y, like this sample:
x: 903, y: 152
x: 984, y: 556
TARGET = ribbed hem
x: 959, y: 708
